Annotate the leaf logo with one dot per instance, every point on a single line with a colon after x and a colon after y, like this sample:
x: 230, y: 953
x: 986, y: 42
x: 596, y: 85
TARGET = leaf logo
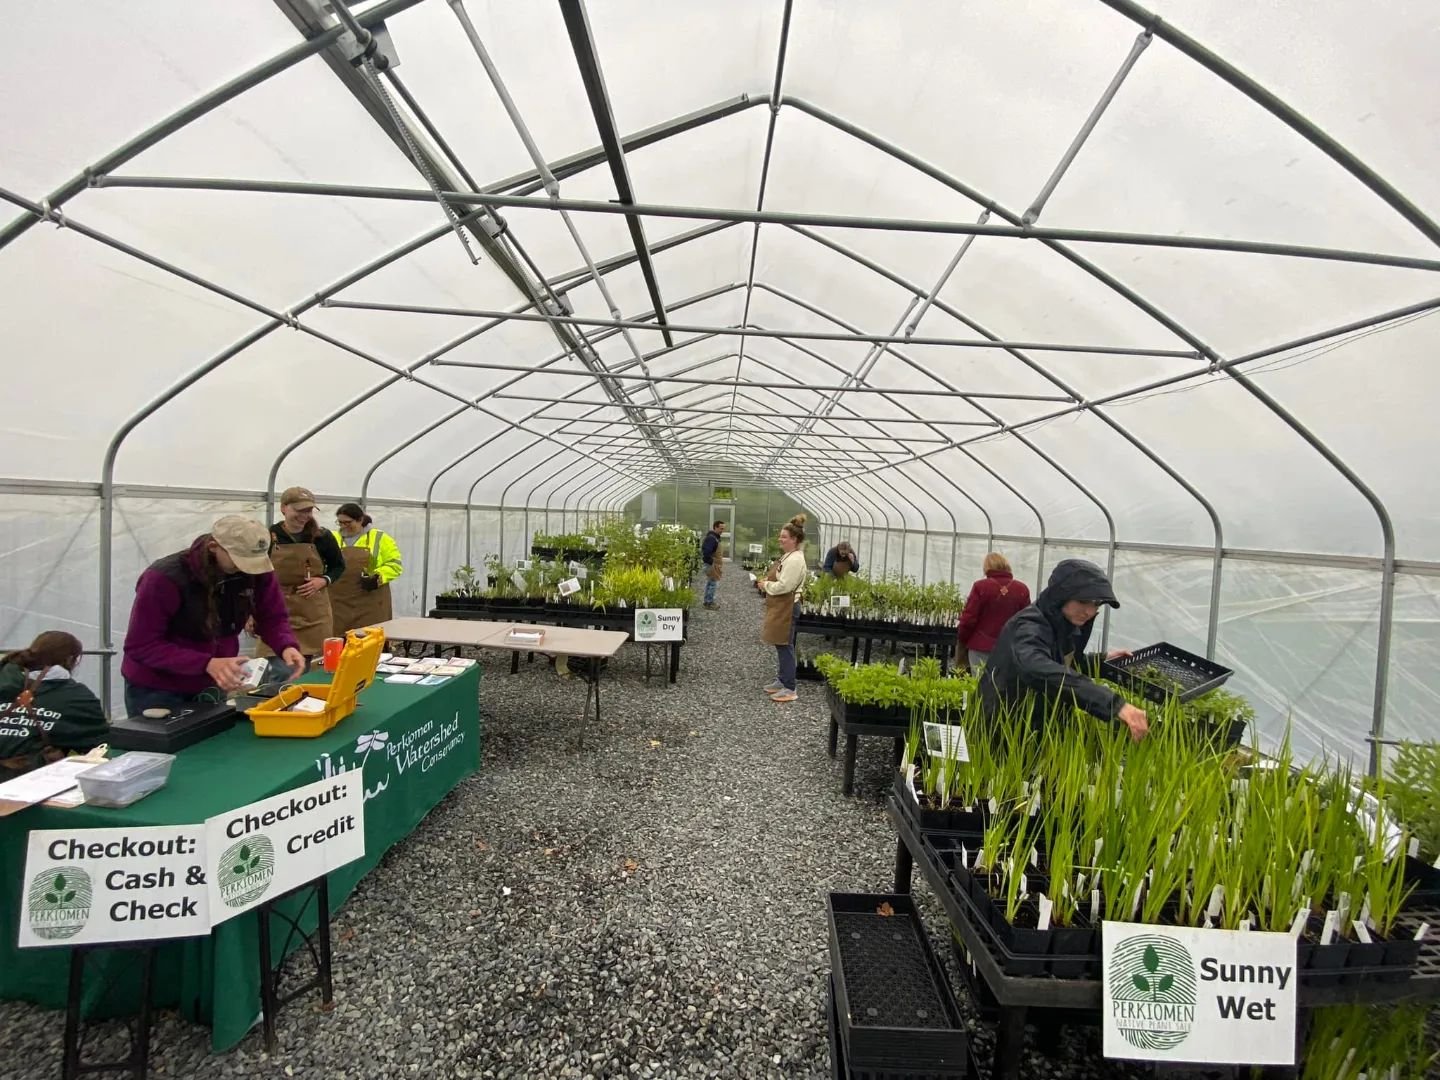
x: 245, y: 869
x: 645, y: 624
x: 58, y: 902
x: 1152, y: 993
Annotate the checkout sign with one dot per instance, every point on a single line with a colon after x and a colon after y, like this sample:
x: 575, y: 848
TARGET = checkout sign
x: 91, y: 886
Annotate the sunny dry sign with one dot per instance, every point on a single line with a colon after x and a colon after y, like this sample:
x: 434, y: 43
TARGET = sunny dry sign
x: 659, y: 624
x: 86, y: 886
x: 261, y: 851
x: 1216, y: 996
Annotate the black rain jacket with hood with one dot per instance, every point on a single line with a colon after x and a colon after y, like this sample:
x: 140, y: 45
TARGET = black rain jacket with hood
x: 1043, y: 653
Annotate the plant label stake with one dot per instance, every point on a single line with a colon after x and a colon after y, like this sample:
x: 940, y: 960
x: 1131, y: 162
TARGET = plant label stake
x: 1332, y: 924
x: 1046, y: 907
x: 569, y: 587
x: 1297, y: 924
x: 1420, y: 933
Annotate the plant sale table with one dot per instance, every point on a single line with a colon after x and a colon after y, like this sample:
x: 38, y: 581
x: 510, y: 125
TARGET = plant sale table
x: 939, y: 640
x: 591, y: 646
x: 411, y: 745
x: 1016, y: 995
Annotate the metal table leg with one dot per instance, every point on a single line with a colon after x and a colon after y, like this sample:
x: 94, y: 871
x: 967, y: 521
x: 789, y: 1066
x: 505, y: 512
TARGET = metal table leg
x: 851, y: 742
x: 1009, y: 1043
x: 834, y: 735
x: 904, y: 866
x: 674, y: 660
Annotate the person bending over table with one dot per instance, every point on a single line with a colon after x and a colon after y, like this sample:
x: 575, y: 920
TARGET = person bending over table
x: 1041, y: 653
x: 841, y: 560
x: 781, y: 588
x: 45, y: 713
x: 183, y: 641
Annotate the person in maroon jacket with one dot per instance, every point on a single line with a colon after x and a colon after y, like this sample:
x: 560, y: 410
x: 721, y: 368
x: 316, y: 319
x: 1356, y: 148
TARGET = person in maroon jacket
x: 183, y: 641
x: 992, y: 601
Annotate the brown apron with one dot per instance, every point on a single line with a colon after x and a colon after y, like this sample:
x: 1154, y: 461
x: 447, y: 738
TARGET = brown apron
x: 309, y: 615
x: 352, y: 605
x: 841, y: 567
x: 713, y: 571
x: 779, y: 612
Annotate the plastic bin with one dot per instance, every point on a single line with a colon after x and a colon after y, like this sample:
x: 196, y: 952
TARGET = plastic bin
x: 1174, y: 671
x: 125, y: 779
x: 355, y: 672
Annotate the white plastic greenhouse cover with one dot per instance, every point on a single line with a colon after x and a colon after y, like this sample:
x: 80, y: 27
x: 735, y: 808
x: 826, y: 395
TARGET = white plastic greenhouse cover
x: 1246, y: 231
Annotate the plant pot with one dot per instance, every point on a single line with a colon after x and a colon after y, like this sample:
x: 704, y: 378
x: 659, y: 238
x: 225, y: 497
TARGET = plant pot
x: 1402, y: 953
x: 1321, y: 964
x: 1368, y: 955
x: 1024, y: 944
x: 1080, y: 945
x: 1426, y: 881
x: 956, y: 820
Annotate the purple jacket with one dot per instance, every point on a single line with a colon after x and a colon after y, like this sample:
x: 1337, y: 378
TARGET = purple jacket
x: 179, y: 621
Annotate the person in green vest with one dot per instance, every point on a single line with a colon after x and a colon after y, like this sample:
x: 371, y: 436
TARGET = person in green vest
x: 45, y: 714
x: 372, y: 561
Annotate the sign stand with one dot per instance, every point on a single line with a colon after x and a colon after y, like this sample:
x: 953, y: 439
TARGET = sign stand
x: 137, y: 1062
x: 592, y: 689
x: 318, y: 945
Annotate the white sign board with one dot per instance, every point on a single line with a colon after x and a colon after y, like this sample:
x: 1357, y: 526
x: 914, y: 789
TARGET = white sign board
x: 590, y: 540
x: 946, y: 741
x: 524, y: 564
x: 840, y: 600
x: 578, y: 570
x: 518, y: 580
x: 1173, y: 993
x: 659, y: 624
x: 757, y: 549
x: 261, y: 851
x: 84, y: 886
x: 569, y: 586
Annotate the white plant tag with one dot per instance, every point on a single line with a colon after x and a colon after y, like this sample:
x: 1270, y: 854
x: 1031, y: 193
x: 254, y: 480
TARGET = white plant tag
x: 1245, y: 923
x: 1080, y: 883
x: 1095, y: 907
x: 1209, y: 923
x: 840, y: 601
x: 1436, y: 863
x: 1046, y: 907
x: 1217, y: 898
x: 1331, y: 927
x: 1362, y: 932
x: 1420, y: 933
x: 1135, y: 903
x: 569, y: 587
x: 994, y: 806
x: 1415, y: 847
x: 1342, y: 907
x: 1035, y: 803
x: 518, y: 580
x: 947, y: 741
x: 669, y: 584
x: 1297, y: 924
x: 524, y: 564
x: 1359, y: 862
x: 980, y: 859
x: 1098, y: 845
x: 1365, y: 910
x: 1034, y: 855
x: 964, y: 857
x: 1024, y: 885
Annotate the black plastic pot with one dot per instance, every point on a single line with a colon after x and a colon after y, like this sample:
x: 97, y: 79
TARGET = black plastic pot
x: 893, y: 1002
x: 1426, y: 882
x: 956, y: 820
x: 848, y: 713
x: 1079, y: 942
x: 1402, y: 954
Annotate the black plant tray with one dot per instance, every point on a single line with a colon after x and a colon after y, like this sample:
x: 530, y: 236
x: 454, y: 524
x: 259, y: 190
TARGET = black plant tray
x: 806, y: 671
x: 959, y: 820
x: 1426, y: 881
x: 845, y: 713
x: 895, y: 1008
x: 840, y: 1068
x: 1194, y: 675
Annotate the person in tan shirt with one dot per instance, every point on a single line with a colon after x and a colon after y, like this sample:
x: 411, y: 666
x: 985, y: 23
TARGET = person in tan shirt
x: 781, y: 587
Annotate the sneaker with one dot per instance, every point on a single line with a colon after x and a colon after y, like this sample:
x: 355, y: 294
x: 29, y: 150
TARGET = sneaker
x: 784, y: 696
x: 774, y: 687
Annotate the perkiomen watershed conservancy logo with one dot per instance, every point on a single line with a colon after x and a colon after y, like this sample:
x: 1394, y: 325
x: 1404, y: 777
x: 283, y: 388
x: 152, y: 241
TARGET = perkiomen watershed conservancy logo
x: 645, y: 626
x: 59, y: 902
x: 245, y: 870
x: 1153, y: 995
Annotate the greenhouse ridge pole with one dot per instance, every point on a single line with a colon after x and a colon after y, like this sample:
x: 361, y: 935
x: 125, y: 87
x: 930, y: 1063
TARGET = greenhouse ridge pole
x: 778, y: 217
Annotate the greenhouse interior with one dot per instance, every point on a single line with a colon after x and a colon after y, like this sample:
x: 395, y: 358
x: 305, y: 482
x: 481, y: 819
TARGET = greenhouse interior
x: 469, y: 464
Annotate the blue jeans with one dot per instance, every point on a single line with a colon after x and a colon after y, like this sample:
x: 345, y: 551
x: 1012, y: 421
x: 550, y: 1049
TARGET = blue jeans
x: 785, y: 660
x: 140, y: 698
x: 710, y: 584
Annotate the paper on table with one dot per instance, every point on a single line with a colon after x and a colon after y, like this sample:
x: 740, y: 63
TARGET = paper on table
x: 403, y: 679
x: 449, y: 669
x: 41, y: 784
x: 392, y: 669
x: 434, y: 680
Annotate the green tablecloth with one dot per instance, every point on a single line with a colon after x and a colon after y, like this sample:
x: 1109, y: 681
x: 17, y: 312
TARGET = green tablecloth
x: 215, y: 979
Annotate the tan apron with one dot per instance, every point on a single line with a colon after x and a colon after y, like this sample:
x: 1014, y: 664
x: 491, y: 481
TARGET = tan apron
x: 713, y: 571
x: 309, y: 615
x: 353, y: 606
x: 779, y: 612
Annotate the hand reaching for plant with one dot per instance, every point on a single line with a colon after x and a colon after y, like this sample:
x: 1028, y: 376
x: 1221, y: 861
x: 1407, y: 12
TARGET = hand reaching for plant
x: 1135, y: 719
x: 1118, y: 654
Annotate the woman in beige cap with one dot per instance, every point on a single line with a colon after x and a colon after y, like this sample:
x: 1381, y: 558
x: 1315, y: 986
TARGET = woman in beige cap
x: 183, y: 641
x: 307, y: 561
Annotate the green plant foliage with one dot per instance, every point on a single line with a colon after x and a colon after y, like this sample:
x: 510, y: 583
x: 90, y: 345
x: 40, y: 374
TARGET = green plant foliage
x: 899, y: 600
x: 1413, y: 786
x: 1385, y: 1042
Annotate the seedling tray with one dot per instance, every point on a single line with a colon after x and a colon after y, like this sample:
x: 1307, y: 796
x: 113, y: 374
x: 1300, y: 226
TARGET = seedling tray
x: 896, y: 1011
x: 1185, y: 675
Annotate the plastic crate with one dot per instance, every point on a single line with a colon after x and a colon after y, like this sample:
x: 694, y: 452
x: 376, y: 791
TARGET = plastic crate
x: 896, y: 1010
x: 1187, y: 675
x: 355, y: 672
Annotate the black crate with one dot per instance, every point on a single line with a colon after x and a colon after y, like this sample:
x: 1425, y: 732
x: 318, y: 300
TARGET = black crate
x: 1187, y: 675
x: 896, y: 1010
x: 840, y: 1068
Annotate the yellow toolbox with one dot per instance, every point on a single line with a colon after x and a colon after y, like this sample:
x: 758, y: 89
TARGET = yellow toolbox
x: 356, y: 670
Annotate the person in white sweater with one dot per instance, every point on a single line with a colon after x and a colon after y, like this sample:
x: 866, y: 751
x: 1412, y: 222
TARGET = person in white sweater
x: 781, y: 587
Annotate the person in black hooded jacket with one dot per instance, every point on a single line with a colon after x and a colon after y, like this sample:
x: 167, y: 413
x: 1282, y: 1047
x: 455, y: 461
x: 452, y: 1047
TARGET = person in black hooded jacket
x: 1041, y: 651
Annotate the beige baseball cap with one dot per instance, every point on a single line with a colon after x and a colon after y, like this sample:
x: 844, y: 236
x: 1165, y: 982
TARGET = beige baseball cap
x: 246, y: 541
x: 301, y: 498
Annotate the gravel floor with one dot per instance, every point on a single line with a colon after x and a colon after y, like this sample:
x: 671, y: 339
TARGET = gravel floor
x: 649, y: 906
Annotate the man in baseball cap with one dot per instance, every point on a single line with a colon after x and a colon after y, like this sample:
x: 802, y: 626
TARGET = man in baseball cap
x: 308, y: 560
x: 183, y: 641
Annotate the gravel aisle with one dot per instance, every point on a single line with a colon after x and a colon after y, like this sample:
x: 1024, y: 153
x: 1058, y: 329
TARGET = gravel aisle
x: 649, y: 906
